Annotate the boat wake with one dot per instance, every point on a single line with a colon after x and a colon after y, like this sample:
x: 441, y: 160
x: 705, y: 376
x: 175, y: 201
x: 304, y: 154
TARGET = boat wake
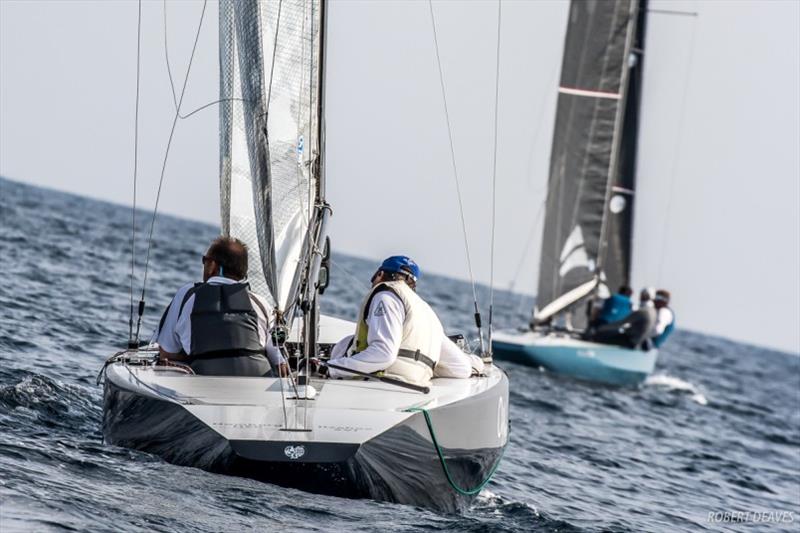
x: 505, y: 514
x: 673, y: 384
x: 488, y: 500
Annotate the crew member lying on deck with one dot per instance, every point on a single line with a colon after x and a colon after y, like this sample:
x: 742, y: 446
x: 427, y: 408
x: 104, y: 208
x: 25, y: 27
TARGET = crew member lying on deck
x: 218, y: 326
x: 399, y: 334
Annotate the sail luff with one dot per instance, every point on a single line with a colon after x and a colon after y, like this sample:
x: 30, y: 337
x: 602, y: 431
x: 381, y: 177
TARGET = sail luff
x: 226, y: 58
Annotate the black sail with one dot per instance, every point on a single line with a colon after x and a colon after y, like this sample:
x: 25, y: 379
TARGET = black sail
x: 587, y: 232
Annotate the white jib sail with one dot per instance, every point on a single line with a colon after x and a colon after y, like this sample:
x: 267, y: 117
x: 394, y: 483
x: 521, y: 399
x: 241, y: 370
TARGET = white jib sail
x: 269, y: 79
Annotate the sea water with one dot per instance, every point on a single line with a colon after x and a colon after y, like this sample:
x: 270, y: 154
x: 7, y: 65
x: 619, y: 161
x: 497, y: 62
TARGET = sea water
x: 710, y: 442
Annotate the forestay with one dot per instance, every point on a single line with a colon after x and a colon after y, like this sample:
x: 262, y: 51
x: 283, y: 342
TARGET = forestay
x: 269, y: 135
x: 587, y: 233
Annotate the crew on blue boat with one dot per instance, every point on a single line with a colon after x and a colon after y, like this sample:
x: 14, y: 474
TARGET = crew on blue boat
x: 219, y: 327
x: 633, y: 331
x: 398, y: 334
x: 615, y: 307
x: 665, y: 318
x: 646, y: 297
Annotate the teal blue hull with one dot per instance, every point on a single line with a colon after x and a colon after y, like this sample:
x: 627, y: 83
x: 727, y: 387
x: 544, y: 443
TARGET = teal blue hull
x: 612, y: 365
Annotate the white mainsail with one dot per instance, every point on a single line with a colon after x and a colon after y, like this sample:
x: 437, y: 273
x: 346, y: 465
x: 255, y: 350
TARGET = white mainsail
x: 270, y: 66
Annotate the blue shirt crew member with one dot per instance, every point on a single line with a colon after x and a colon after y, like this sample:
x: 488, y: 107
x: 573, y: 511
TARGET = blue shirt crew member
x: 218, y: 326
x: 616, y: 307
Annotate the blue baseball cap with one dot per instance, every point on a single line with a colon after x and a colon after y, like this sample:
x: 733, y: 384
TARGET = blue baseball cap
x: 402, y: 264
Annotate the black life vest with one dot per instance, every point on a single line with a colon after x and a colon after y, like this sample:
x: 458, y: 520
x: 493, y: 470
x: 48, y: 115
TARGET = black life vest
x: 224, y: 322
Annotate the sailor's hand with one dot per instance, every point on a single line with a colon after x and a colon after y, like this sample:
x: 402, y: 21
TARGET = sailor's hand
x: 283, y: 370
x: 318, y: 367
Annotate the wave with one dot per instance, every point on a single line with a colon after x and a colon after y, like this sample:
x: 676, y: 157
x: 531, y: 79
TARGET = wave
x: 49, y: 401
x: 498, y: 513
x: 672, y: 383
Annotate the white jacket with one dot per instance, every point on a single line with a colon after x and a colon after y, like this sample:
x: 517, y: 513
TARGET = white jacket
x: 389, y: 327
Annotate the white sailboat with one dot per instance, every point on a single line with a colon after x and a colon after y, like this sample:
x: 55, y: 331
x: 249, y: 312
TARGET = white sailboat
x: 587, y: 241
x: 431, y: 446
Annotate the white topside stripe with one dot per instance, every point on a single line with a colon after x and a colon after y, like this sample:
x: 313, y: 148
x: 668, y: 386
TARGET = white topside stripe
x: 594, y: 94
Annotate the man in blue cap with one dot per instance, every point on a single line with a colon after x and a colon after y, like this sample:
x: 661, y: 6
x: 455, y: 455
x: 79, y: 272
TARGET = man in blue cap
x: 398, y: 333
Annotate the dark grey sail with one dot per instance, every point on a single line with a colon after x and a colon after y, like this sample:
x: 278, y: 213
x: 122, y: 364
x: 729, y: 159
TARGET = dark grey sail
x: 587, y: 232
x: 615, y: 253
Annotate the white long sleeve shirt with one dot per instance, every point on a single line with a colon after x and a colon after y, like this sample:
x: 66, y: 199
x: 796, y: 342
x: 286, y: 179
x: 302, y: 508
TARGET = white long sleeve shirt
x: 384, y: 333
x: 664, y: 318
x: 176, y: 333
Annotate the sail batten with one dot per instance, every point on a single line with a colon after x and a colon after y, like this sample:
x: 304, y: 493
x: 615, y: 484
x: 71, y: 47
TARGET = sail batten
x: 587, y: 232
x: 590, y: 93
x: 269, y: 135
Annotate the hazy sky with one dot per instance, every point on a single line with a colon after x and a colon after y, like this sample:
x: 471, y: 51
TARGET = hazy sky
x: 718, y: 195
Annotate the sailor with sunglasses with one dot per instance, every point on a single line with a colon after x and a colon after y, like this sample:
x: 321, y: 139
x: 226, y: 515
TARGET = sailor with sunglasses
x: 219, y: 327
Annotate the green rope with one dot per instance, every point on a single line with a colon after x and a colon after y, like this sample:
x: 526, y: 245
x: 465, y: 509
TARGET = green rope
x: 465, y: 492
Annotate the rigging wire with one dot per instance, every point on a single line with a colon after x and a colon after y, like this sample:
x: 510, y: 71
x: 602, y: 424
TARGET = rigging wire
x: 135, y: 170
x: 528, y: 243
x: 674, y: 167
x: 215, y: 102
x: 546, y: 188
x: 163, y: 170
x: 545, y: 104
x: 494, y: 173
x: 455, y: 176
x: 166, y: 56
x: 274, y: 53
x: 172, y: 82
x: 355, y: 280
x: 298, y: 174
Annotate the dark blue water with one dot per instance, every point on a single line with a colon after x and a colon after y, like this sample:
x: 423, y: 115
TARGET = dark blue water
x: 716, y: 430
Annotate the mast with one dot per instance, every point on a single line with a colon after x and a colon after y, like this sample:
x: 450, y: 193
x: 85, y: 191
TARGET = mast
x: 615, y: 253
x: 316, y: 252
x: 323, y: 34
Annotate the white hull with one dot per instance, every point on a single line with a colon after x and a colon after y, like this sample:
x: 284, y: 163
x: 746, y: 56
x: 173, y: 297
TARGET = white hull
x: 354, y: 438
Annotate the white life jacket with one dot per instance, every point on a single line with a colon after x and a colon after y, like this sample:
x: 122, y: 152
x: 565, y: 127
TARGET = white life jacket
x: 421, y: 344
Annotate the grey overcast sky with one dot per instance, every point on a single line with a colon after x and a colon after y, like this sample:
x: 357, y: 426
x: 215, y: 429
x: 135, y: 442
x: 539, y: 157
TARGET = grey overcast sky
x: 718, y: 218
